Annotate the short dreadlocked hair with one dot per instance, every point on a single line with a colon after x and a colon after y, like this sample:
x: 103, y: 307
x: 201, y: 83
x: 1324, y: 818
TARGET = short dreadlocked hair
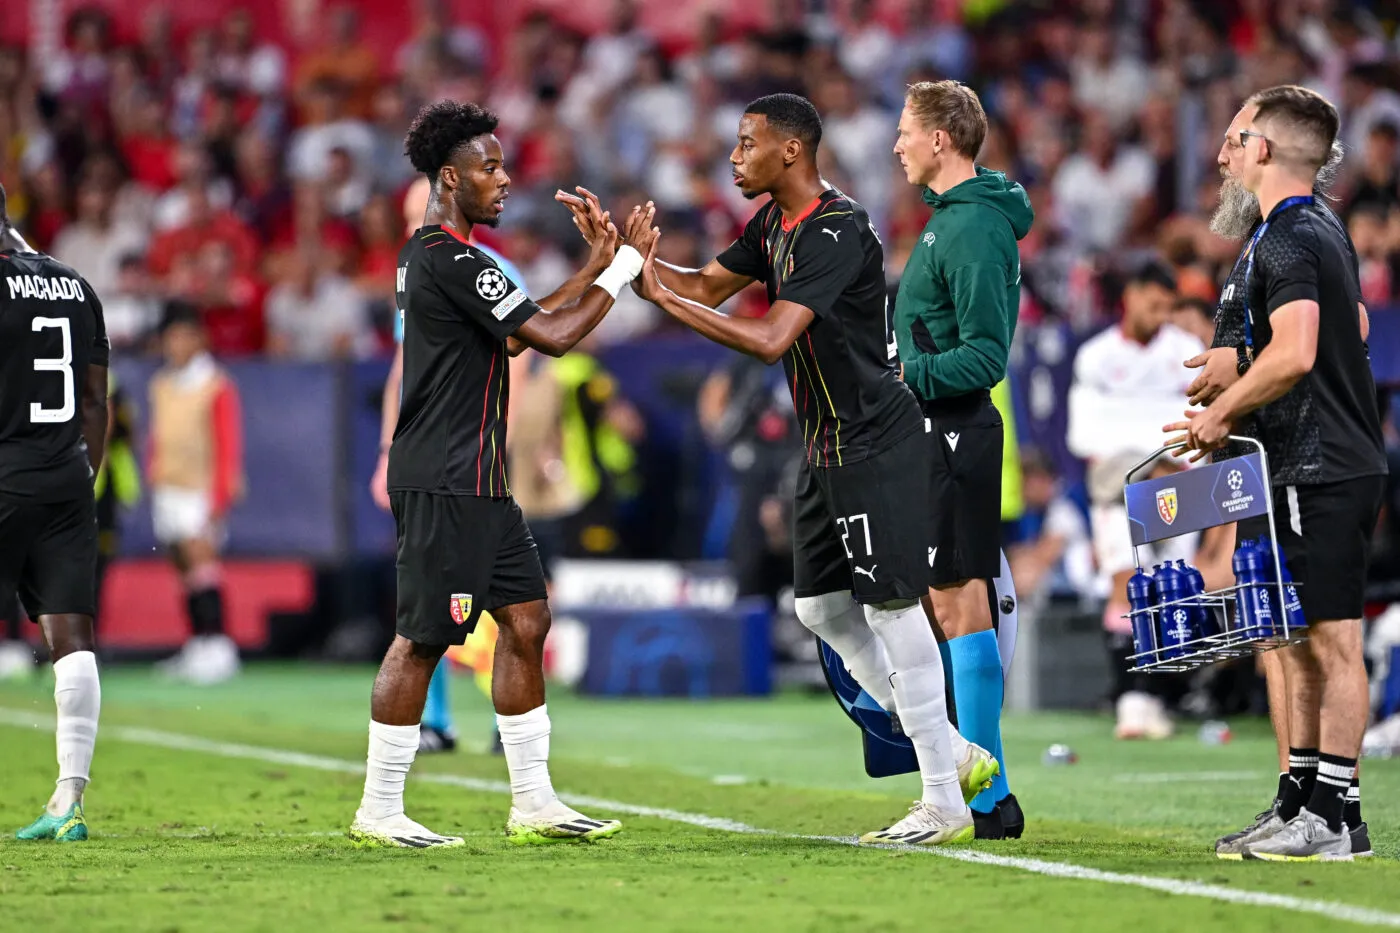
x: 441, y: 129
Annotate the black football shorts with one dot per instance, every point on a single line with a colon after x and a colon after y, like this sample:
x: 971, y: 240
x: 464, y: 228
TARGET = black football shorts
x: 1325, y: 533
x: 457, y: 556
x: 48, y: 554
x: 966, y: 493
x: 864, y: 526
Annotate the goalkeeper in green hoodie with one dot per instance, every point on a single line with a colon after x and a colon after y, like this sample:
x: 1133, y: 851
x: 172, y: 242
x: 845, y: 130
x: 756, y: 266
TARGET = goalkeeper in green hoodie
x: 954, y: 318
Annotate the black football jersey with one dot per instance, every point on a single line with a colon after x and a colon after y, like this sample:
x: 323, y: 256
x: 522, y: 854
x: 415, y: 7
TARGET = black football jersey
x: 843, y: 370
x: 1327, y: 427
x: 458, y: 308
x: 51, y: 331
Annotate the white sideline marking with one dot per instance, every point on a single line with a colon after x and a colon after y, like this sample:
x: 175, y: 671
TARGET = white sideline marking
x: 1188, y: 777
x: 1329, y: 909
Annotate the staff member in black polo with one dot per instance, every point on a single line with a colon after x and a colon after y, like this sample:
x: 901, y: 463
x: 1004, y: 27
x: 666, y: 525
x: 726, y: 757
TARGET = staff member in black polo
x: 1292, y: 371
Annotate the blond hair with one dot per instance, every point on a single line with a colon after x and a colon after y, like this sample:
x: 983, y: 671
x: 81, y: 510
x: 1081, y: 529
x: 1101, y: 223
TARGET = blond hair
x: 952, y: 107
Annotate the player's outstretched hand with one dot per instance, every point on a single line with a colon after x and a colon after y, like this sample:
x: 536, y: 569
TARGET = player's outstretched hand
x: 593, y: 223
x: 647, y: 283
x: 638, y: 232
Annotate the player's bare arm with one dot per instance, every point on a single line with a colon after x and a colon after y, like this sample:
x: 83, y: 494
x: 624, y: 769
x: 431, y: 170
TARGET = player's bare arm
x: 766, y: 338
x: 711, y: 285
x: 563, y: 323
x: 95, y: 414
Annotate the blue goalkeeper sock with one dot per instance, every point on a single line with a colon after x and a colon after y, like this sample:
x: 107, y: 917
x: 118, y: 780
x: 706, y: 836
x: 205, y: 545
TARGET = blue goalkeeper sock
x: 437, y: 712
x: 977, y: 687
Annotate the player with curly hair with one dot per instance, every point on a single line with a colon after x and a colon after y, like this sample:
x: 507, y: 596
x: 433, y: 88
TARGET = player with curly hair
x: 463, y: 544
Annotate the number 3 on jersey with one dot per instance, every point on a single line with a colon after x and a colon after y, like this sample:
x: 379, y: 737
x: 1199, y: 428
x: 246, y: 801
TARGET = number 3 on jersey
x: 63, y: 365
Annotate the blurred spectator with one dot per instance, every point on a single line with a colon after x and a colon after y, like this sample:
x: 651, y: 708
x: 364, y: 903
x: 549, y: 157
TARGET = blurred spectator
x: 200, y: 74
x: 264, y: 199
x: 131, y: 308
x: 1108, y: 77
x: 315, y: 314
x: 1196, y: 316
x: 434, y: 28
x: 1368, y: 102
x: 195, y: 469
x: 345, y: 61
x: 259, y: 69
x: 381, y: 235
x: 79, y: 72
x: 346, y: 190
x: 1055, y: 553
x: 862, y: 139
x: 230, y: 299
x: 93, y: 243
x: 327, y: 127
x: 389, y: 169
x: 1377, y: 267
x: 1129, y: 381
x: 147, y: 146
x: 1378, y: 181
x: 747, y: 414
x: 202, y: 223
x: 196, y: 180
x: 1099, y: 191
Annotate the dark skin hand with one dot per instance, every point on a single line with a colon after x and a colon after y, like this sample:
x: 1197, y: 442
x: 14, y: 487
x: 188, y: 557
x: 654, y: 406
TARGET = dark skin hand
x: 764, y: 161
x: 471, y: 189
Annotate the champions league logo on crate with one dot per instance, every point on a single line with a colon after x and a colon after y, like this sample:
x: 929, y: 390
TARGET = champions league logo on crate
x: 1238, y: 500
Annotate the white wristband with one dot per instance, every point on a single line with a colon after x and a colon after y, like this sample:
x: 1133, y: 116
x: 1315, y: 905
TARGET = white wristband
x: 624, y: 268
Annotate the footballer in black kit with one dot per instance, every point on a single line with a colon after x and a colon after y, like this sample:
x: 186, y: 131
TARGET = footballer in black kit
x: 860, y: 516
x: 53, y: 424
x: 447, y: 465
x: 463, y: 544
x: 855, y: 523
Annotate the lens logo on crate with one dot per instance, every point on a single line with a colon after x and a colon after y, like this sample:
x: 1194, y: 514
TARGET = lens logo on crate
x: 1166, y: 504
x: 1238, y: 500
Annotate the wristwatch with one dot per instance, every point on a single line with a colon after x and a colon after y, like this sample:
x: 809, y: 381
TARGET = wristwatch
x: 1243, y: 357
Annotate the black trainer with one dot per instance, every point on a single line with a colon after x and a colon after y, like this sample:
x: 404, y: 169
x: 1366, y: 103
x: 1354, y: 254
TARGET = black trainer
x: 432, y: 740
x: 1013, y: 820
x: 1361, y: 843
x: 988, y: 825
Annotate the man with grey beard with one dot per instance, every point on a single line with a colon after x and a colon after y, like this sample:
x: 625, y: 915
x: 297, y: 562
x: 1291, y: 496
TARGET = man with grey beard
x: 1289, y: 367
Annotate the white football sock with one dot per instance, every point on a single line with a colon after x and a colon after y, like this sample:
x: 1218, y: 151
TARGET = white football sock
x: 391, y: 753
x: 77, y: 694
x: 919, y: 698
x: 525, y: 739
x: 837, y: 619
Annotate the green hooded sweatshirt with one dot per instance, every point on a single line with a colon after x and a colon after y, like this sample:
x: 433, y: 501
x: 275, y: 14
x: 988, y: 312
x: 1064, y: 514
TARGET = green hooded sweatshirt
x: 961, y: 289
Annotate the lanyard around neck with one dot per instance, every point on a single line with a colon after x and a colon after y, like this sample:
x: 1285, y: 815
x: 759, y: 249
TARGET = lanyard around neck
x: 1247, y: 257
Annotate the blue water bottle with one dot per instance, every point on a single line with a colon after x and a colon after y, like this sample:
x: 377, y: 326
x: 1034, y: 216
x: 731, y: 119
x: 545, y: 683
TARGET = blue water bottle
x: 1254, y: 603
x: 1292, y: 605
x: 1203, y: 617
x: 1174, y: 611
x: 1141, y: 596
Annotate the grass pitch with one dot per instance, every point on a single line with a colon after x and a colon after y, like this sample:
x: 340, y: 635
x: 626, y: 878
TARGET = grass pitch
x: 223, y: 808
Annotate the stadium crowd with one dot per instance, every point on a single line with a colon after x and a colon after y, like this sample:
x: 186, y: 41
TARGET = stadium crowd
x: 262, y: 184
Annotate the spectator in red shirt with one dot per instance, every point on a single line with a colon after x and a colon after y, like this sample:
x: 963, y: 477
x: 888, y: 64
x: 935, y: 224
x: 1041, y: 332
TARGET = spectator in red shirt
x: 204, y: 225
x: 148, y: 147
